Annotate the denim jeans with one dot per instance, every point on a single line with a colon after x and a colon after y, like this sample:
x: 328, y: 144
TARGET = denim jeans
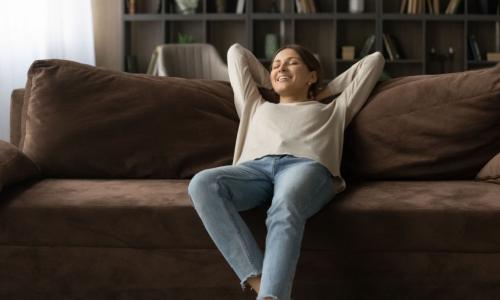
x: 294, y: 188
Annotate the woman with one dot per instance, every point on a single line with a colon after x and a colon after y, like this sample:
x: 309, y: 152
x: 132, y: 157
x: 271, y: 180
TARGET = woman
x: 287, y: 155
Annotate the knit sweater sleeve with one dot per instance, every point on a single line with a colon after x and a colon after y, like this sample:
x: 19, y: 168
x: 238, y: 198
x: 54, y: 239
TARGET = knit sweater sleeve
x: 356, y: 83
x: 246, y: 74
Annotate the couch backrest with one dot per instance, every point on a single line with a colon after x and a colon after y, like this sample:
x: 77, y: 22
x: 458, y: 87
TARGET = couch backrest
x: 89, y: 122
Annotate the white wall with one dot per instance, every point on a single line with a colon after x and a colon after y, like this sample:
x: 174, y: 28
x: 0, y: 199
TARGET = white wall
x: 108, y: 47
x: 108, y: 31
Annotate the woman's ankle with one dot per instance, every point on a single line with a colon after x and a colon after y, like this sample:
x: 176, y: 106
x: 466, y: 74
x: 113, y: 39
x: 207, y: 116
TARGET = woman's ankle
x: 254, y: 283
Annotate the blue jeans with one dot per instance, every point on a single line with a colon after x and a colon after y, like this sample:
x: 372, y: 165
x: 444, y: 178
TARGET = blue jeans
x: 296, y: 188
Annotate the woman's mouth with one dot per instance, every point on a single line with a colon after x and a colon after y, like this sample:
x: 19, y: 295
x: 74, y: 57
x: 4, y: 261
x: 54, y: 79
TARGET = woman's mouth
x: 282, y: 78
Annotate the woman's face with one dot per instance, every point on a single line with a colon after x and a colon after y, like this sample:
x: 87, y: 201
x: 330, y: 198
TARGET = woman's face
x: 289, y: 76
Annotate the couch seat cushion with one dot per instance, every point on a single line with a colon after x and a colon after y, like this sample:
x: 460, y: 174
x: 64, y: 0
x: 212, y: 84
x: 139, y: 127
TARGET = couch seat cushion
x: 371, y: 216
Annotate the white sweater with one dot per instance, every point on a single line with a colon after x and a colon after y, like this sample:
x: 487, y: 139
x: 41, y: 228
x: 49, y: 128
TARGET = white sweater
x: 308, y: 129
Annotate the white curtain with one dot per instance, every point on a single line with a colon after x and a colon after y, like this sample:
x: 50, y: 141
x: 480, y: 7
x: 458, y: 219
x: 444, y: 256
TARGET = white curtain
x: 40, y: 29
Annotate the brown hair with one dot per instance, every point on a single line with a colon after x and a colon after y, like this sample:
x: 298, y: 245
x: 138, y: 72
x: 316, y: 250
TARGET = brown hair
x: 310, y: 61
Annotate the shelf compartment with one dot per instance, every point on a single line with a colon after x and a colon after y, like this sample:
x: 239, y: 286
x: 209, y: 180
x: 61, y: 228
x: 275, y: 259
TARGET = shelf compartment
x: 441, y: 62
x: 343, y: 6
x: 193, y: 29
x: 319, y: 37
x: 354, y: 33
x: 142, y: 39
x: 408, y: 35
x: 484, y: 33
x: 396, y: 70
x: 222, y: 34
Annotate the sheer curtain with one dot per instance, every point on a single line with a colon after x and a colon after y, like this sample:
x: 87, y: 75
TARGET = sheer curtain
x: 40, y: 29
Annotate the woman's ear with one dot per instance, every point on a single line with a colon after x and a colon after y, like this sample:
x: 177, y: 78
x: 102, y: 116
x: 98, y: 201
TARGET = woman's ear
x: 314, y: 77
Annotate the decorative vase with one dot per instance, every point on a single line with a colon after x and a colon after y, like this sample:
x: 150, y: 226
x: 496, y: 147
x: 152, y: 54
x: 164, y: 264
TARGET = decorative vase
x: 271, y: 45
x: 356, y: 6
x: 187, y: 6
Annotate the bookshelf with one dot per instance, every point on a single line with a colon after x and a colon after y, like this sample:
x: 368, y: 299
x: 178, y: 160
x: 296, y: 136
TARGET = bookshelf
x: 424, y: 39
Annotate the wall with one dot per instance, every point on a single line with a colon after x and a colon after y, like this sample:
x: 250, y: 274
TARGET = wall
x: 108, y: 32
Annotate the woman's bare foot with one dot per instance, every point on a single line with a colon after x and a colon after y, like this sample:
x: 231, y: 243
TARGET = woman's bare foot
x: 254, y: 282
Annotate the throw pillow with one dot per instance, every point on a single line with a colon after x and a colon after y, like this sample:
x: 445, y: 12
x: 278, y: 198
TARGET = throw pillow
x: 87, y: 122
x: 443, y: 126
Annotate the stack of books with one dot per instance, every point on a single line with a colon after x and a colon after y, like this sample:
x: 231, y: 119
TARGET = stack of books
x: 430, y: 6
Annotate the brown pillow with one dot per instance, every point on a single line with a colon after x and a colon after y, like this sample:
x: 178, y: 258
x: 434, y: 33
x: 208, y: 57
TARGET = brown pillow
x: 14, y: 165
x: 443, y: 126
x: 86, y: 122
x: 491, y: 171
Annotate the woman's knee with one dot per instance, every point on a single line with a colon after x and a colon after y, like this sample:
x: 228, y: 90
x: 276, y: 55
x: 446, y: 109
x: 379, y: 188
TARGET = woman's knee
x: 201, y: 183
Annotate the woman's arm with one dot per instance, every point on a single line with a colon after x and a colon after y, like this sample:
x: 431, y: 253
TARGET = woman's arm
x: 246, y: 74
x: 356, y: 83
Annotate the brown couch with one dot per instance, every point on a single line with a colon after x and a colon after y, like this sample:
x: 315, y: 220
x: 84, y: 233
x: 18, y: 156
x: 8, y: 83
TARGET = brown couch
x: 94, y: 203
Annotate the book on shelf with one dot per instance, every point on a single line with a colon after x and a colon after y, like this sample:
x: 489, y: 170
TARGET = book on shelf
x: 436, y: 7
x: 403, y: 6
x: 397, y: 50
x: 131, y: 7
x: 240, y: 6
x: 429, y: 7
x: 474, y: 48
x: 392, y: 47
x: 387, y: 47
x: 452, y: 7
x: 413, y: 7
x: 305, y: 6
x: 369, y: 42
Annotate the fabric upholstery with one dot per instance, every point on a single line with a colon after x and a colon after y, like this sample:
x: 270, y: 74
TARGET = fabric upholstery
x: 61, y: 273
x: 443, y: 126
x: 86, y: 122
x: 14, y: 165
x: 370, y: 216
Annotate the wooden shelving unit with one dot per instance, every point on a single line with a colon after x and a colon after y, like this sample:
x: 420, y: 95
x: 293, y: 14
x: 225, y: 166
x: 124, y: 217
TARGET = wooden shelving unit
x: 324, y: 32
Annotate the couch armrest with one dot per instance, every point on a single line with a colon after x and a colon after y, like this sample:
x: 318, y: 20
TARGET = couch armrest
x: 16, y: 108
x: 15, y: 166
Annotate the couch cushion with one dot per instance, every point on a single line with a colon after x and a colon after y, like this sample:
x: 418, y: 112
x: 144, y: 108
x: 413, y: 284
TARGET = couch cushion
x: 391, y: 216
x: 87, y: 122
x: 14, y: 165
x: 442, y: 126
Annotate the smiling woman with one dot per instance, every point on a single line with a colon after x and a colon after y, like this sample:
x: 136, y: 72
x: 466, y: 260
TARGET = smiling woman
x: 40, y: 29
x: 287, y: 156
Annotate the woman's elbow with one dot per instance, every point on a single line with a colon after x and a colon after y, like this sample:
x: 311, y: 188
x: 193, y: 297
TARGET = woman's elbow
x: 236, y: 50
